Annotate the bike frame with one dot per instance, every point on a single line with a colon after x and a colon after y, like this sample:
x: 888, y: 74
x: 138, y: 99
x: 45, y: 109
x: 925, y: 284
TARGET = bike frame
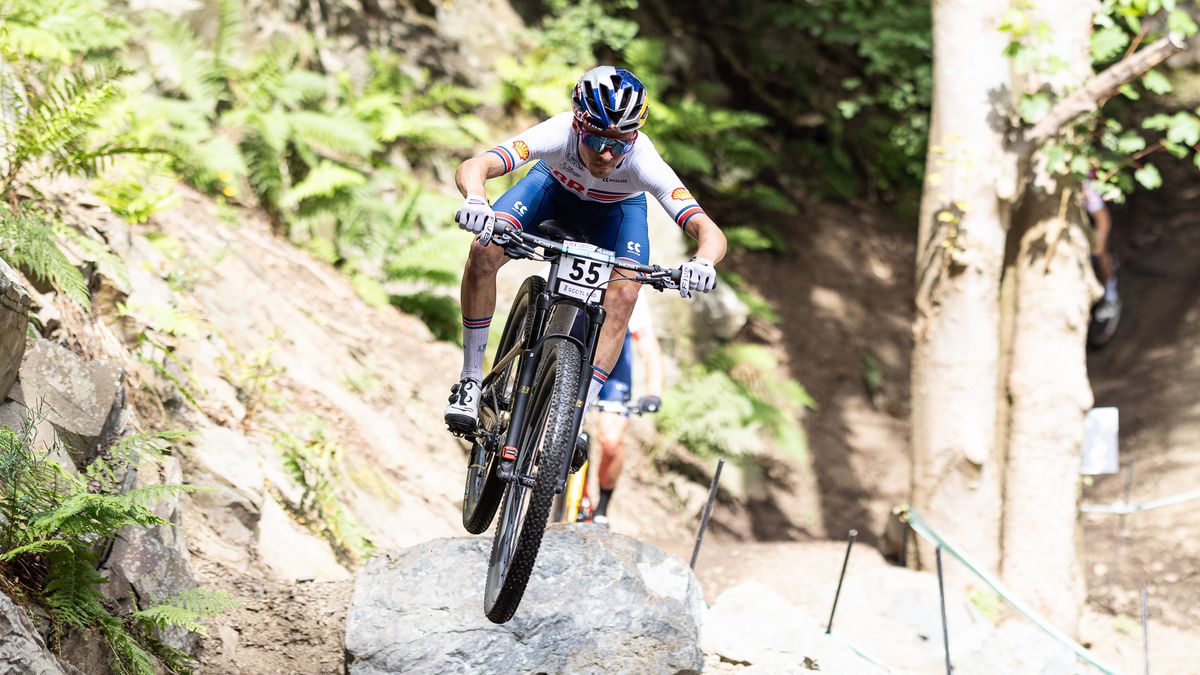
x: 553, y: 317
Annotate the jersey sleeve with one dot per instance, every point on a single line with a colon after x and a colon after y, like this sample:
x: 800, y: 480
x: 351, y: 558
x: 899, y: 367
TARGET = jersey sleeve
x: 660, y: 180
x: 539, y: 142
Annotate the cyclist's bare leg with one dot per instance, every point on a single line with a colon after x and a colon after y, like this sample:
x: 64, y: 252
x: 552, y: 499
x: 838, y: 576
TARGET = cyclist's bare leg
x: 478, y: 290
x: 619, y: 300
x: 610, y: 431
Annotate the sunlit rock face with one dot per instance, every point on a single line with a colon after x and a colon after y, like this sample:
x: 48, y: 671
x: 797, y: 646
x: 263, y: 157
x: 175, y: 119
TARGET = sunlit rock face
x: 596, y: 603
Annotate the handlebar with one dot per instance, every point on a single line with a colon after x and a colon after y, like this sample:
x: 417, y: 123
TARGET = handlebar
x: 619, y: 408
x: 520, y: 244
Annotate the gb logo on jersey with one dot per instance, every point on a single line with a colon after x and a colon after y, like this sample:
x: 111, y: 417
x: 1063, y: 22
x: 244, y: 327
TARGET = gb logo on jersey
x: 634, y: 247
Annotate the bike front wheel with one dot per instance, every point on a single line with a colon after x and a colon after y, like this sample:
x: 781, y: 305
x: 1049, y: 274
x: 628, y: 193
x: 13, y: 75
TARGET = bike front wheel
x: 545, y: 441
x: 483, y: 488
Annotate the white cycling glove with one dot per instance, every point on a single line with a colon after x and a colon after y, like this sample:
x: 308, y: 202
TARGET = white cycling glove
x: 697, y: 275
x: 477, y: 217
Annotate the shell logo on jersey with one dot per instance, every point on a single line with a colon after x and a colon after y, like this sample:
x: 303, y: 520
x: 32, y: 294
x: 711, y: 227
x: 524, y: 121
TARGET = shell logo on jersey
x: 522, y: 149
x: 681, y: 194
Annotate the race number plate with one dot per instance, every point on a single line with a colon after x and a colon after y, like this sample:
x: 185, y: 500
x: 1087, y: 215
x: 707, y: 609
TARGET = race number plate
x: 583, y: 278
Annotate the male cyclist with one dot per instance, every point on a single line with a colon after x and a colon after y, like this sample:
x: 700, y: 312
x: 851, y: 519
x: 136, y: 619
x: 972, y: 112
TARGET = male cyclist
x: 610, y: 427
x: 594, y: 169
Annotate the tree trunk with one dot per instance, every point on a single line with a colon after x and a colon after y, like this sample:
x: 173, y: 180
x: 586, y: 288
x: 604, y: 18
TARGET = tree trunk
x: 956, y: 477
x: 1048, y: 389
x: 1049, y: 393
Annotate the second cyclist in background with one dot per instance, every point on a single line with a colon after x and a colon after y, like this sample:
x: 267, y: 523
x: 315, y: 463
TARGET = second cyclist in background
x: 611, y: 426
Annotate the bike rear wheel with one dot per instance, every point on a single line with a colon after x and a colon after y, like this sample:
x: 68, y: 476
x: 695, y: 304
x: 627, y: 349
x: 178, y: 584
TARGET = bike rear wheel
x: 483, y: 488
x: 544, y: 445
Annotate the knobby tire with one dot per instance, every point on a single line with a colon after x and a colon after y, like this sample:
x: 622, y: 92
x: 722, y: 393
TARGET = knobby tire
x: 520, y: 529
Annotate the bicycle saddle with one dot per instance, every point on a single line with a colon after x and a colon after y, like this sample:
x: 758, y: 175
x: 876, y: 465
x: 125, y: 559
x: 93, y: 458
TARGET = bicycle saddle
x: 559, y: 231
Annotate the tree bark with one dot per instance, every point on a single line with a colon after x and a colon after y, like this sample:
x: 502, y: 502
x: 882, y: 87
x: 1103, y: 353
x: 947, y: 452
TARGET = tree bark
x: 1049, y: 393
x: 1047, y: 384
x: 956, y: 477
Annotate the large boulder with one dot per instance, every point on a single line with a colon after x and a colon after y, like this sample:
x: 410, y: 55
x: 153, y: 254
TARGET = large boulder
x: 14, y: 322
x: 597, y: 603
x: 22, y: 650
x: 84, y: 400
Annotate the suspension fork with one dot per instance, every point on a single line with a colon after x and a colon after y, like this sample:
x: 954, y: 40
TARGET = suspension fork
x: 528, y: 367
x: 596, y: 316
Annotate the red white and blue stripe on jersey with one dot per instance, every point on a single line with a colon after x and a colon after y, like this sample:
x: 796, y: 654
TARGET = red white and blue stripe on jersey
x: 506, y: 156
x: 603, y: 196
x: 687, y: 214
x: 477, y: 323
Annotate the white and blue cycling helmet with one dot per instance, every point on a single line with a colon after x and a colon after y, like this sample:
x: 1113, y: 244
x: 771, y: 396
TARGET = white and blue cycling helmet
x: 610, y: 99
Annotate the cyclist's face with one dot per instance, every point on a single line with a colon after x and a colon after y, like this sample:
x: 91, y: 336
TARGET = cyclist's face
x: 601, y: 164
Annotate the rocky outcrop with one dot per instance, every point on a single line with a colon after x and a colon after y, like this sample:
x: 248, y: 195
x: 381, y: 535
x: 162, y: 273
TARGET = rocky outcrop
x: 22, y: 650
x: 752, y: 625
x: 597, y: 603
x: 83, y: 400
x: 14, y: 320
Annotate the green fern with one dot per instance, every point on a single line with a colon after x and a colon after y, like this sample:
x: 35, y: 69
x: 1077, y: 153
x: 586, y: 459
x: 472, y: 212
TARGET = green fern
x: 50, y: 524
x: 314, y: 464
x: 60, y: 31
x: 29, y: 241
x: 187, y: 610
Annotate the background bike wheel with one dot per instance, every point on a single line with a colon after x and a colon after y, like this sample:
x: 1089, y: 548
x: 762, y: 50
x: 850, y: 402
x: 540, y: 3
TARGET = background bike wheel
x: 544, y: 445
x: 482, y: 491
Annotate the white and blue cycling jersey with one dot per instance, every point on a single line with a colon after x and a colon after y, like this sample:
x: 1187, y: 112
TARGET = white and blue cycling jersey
x: 611, y: 211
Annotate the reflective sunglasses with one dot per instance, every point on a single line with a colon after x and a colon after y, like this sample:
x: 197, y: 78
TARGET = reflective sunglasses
x: 599, y: 144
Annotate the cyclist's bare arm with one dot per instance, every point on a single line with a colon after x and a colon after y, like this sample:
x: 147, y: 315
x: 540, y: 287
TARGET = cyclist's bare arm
x: 473, y: 173
x: 651, y: 355
x: 711, y: 243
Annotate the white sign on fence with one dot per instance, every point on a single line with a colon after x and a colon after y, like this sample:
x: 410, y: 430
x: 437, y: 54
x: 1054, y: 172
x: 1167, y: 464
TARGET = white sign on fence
x: 1100, y: 427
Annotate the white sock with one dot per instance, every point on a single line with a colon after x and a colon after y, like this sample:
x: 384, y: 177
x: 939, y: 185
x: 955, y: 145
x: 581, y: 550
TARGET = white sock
x: 1110, y: 290
x: 475, y: 337
x: 599, y: 377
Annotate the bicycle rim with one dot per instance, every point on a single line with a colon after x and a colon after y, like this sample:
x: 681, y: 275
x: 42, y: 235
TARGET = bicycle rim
x: 525, y: 510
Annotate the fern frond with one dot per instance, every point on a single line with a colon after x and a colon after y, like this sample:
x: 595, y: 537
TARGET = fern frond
x: 72, y: 590
x: 149, y: 494
x: 189, y: 67
x: 127, y: 656
x: 228, y: 42
x: 186, y: 610
x: 339, y: 133
x: 59, y: 118
x: 28, y: 242
x: 95, y: 514
x: 57, y: 31
x: 41, y: 546
x: 324, y: 180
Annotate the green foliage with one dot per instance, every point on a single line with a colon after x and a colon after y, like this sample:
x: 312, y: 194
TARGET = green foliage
x: 138, y: 195
x: 1100, y: 144
x: 314, y: 463
x: 29, y: 241
x: 186, y: 610
x: 51, y: 522
x: 256, y: 377
x: 722, y: 407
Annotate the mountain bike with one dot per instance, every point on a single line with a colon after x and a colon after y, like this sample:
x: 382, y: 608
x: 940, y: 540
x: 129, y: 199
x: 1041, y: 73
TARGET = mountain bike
x: 531, y: 401
x: 573, y: 505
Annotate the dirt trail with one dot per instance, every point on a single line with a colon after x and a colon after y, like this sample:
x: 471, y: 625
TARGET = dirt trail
x: 1148, y: 372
